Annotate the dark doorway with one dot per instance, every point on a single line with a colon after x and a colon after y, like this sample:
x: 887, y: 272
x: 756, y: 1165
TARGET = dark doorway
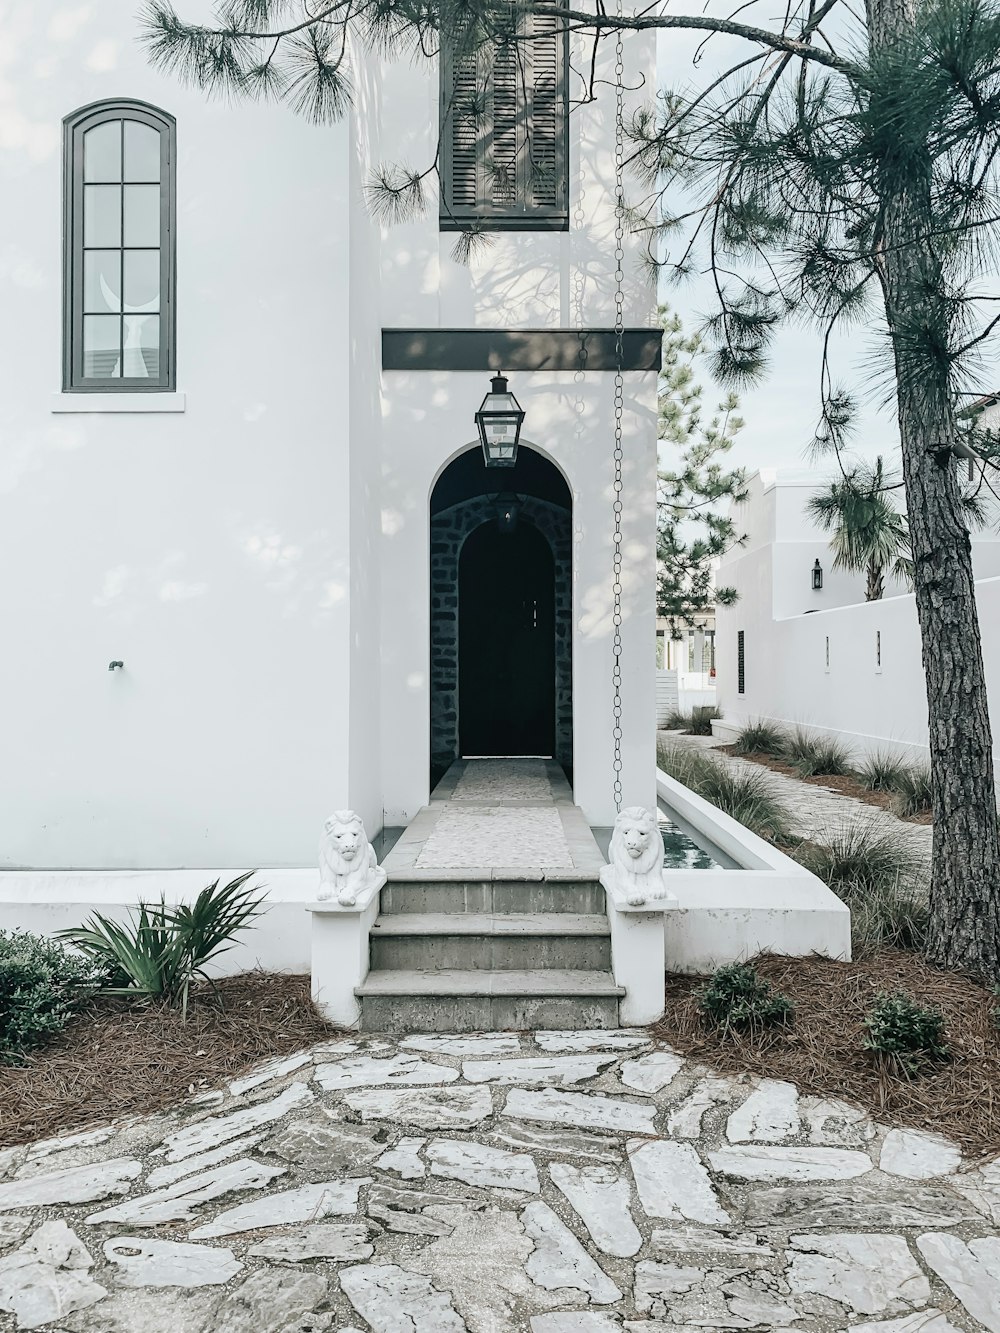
x: 506, y: 642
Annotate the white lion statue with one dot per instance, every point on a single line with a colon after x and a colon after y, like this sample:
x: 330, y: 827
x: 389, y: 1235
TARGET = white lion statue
x: 347, y: 861
x: 636, y: 857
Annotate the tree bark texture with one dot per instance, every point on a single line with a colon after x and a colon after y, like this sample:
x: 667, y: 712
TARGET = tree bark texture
x: 965, y: 872
x: 876, y: 582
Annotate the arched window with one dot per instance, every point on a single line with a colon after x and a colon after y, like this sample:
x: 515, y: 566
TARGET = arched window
x: 118, y: 246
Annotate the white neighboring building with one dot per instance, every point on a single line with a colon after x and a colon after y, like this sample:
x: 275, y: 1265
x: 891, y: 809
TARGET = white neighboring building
x: 249, y: 530
x: 823, y: 657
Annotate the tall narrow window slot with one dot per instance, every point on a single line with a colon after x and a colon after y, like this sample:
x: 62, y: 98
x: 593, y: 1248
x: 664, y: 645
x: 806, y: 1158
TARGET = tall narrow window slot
x: 740, y: 662
x: 504, y: 118
x: 118, y: 255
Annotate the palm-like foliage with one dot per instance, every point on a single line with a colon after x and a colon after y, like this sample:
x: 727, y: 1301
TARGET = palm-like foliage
x: 868, y: 533
x: 163, y: 950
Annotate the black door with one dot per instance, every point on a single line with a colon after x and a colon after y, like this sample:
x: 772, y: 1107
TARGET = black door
x: 506, y: 642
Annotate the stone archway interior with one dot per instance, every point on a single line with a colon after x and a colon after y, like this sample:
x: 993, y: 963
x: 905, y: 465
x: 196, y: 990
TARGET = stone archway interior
x: 465, y: 501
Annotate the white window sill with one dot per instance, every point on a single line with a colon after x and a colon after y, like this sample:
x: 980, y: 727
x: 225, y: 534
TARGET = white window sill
x: 119, y: 402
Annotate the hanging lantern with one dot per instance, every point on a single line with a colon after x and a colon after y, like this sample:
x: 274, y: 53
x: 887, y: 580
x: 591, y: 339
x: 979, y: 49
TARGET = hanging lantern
x: 499, y: 424
x: 508, y: 507
x: 817, y: 572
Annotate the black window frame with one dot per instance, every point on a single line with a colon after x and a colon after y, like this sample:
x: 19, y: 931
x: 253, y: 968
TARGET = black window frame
x: 75, y: 126
x: 485, y: 215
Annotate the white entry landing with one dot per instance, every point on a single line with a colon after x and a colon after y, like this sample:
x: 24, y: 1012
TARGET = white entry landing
x: 491, y: 816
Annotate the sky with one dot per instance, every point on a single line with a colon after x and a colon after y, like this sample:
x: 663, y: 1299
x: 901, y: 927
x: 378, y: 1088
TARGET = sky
x: 781, y: 413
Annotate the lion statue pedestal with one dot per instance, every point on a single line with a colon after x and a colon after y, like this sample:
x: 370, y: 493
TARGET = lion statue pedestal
x: 348, y: 866
x: 346, y: 906
x: 635, y: 859
x: 638, y: 903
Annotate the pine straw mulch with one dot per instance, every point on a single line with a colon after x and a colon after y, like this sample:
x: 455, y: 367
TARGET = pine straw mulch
x: 844, y: 784
x: 822, y: 1053
x: 122, y: 1057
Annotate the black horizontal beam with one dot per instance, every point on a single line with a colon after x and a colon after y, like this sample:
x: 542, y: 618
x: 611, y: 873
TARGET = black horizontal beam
x: 519, y: 349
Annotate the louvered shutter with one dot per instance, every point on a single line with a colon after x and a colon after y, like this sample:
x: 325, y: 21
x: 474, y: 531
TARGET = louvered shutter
x: 504, y: 139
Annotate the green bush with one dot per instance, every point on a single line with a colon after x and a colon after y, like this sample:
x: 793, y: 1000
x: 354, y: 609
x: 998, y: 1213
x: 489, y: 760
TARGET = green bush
x: 737, y: 997
x: 913, y: 793
x: 41, y: 984
x: 909, y: 1036
x: 677, y: 721
x: 877, y: 874
x: 759, y: 737
x: 702, y: 718
x: 881, y: 772
x: 163, y: 949
x: 816, y: 756
x: 747, y: 797
x: 696, y: 723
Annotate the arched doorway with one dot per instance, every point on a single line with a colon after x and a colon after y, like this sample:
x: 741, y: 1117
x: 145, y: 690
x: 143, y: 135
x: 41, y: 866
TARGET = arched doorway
x: 506, y: 642
x: 482, y: 578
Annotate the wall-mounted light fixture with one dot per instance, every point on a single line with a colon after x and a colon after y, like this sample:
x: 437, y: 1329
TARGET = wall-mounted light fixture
x: 817, y: 576
x: 499, y: 421
x: 116, y: 666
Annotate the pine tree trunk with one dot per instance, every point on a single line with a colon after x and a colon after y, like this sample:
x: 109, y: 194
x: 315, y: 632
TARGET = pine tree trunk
x: 965, y: 875
x: 876, y: 583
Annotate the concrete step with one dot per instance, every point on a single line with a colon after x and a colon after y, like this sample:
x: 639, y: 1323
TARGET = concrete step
x: 519, y: 941
x: 581, y: 894
x: 461, y: 1000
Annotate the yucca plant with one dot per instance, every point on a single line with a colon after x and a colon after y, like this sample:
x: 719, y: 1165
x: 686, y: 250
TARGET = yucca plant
x: 759, y: 737
x: 163, y: 950
x: 816, y: 756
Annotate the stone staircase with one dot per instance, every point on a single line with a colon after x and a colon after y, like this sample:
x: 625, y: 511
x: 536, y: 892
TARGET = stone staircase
x: 482, y: 947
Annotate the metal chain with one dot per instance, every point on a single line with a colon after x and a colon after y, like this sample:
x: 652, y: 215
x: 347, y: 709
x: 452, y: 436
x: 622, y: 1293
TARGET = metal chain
x: 619, y: 401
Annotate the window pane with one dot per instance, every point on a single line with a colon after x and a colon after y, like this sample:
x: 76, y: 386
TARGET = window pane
x: 101, y: 337
x: 142, y: 346
x: 102, y: 152
x: 102, y: 280
x: 142, y: 152
x: 102, y: 217
x: 142, y: 280
x: 142, y: 215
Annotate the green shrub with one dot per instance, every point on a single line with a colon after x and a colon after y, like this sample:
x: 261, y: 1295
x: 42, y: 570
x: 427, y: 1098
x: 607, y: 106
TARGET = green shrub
x: 41, y: 984
x: 881, y: 771
x: 913, y: 793
x: 909, y: 1036
x: 877, y: 874
x: 163, y: 949
x: 759, y: 737
x: 702, y: 718
x: 737, y: 997
x: 816, y: 756
x: 677, y: 721
x: 747, y: 797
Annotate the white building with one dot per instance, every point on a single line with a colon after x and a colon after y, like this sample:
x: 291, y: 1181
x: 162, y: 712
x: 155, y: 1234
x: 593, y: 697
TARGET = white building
x: 248, y: 488
x: 822, y: 657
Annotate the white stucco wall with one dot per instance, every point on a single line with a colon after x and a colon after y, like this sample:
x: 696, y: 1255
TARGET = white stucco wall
x: 868, y: 704
x: 259, y: 560
x: 206, y: 549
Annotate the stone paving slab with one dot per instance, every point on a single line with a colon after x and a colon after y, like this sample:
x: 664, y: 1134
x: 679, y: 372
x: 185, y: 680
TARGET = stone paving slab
x: 558, y: 1182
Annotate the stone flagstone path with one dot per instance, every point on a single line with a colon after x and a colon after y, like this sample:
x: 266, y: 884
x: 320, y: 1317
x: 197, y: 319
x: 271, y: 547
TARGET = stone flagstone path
x: 566, y: 1182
